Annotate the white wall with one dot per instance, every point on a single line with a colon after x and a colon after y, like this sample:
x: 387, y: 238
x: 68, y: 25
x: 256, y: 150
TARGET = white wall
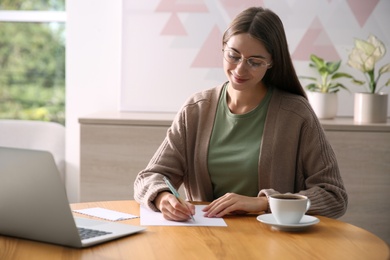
x: 173, y: 49
x: 94, y: 60
x: 93, y: 71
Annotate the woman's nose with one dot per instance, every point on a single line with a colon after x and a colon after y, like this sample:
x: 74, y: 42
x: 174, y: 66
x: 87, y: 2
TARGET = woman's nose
x: 241, y: 66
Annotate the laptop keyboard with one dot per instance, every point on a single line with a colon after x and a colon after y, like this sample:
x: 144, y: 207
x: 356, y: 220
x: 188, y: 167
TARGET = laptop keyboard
x: 86, y: 233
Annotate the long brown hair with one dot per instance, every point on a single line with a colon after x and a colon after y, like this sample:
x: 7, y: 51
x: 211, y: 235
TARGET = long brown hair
x: 265, y: 26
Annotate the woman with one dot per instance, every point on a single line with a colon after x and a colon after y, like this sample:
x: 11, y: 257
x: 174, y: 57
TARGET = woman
x: 255, y: 135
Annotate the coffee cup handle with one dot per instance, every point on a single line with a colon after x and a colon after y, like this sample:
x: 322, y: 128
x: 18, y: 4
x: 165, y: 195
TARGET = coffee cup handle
x: 308, y: 205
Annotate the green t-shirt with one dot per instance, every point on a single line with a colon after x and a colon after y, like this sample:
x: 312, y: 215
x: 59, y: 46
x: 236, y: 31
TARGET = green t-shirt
x: 233, y: 155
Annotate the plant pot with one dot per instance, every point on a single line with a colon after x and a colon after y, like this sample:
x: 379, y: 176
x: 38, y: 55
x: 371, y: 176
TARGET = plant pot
x: 370, y: 108
x: 324, y: 104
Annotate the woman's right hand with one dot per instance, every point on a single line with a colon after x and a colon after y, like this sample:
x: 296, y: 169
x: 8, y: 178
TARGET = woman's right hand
x: 172, y: 209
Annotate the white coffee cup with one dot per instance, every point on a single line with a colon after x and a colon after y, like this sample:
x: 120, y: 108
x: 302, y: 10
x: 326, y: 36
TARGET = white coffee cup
x: 288, y: 208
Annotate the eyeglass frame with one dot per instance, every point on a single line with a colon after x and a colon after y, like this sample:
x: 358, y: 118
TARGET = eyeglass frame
x: 242, y: 58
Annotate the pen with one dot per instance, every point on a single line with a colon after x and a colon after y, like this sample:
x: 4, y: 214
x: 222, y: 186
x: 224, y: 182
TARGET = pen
x: 177, y: 195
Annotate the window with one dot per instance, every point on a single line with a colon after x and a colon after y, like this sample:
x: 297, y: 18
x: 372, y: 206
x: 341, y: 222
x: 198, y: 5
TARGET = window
x: 32, y: 60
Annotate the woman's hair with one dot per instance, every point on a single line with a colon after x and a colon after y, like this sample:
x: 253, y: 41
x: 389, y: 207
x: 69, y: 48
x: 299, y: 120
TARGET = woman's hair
x: 265, y: 26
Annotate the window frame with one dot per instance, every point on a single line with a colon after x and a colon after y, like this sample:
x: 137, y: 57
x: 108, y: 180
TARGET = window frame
x: 33, y: 16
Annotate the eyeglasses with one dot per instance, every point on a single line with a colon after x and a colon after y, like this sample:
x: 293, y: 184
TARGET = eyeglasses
x: 234, y: 57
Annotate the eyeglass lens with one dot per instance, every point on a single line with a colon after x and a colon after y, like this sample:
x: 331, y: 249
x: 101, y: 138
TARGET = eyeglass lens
x: 233, y: 57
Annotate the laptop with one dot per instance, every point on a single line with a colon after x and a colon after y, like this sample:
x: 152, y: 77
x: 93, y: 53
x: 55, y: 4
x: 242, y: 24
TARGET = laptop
x: 34, y: 205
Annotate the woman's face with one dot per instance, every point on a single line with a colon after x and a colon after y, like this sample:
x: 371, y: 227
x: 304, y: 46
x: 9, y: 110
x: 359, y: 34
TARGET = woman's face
x: 245, y: 62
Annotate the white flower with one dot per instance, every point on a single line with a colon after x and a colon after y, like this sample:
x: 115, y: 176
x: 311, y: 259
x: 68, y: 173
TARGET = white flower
x: 364, y: 57
x: 366, y: 53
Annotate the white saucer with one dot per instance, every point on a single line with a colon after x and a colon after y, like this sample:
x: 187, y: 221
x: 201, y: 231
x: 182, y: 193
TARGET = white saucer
x: 305, y: 222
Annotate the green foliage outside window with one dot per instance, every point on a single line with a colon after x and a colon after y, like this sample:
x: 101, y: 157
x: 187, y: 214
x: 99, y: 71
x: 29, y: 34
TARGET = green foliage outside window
x: 32, y: 67
x: 39, y: 5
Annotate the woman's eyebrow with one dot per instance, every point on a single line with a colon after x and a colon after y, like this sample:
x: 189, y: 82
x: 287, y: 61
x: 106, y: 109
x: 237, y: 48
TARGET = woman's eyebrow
x: 254, y: 56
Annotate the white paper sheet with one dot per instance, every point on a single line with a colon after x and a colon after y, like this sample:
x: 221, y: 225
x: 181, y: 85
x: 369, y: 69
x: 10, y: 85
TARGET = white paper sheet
x: 107, y: 214
x: 152, y: 218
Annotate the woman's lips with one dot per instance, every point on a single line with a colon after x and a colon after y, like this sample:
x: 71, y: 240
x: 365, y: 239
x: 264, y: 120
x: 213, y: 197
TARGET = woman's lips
x: 239, y: 80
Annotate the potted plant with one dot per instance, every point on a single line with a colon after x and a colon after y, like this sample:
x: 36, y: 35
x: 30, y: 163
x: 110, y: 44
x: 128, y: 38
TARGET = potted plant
x: 370, y: 106
x: 323, y: 90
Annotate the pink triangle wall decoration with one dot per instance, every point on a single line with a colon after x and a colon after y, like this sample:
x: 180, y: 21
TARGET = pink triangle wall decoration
x: 174, y: 26
x: 181, y: 6
x: 233, y: 7
x: 362, y: 9
x: 315, y: 41
x: 210, y: 54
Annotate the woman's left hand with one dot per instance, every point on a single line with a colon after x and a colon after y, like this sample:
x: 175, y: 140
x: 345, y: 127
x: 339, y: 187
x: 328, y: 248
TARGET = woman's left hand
x: 232, y: 203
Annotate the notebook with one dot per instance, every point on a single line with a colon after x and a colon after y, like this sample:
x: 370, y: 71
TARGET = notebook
x: 34, y: 205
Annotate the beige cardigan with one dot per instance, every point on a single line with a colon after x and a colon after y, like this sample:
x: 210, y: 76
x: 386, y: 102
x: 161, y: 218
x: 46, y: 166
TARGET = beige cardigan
x: 295, y: 155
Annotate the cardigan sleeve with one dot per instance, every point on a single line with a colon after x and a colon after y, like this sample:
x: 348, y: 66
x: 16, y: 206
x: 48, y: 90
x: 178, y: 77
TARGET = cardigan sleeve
x: 322, y: 178
x: 167, y: 161
x: 267, y: 193
x: 182, y: 157
x: 296, y: 157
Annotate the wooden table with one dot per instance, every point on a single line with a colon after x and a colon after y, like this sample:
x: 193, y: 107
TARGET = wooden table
x: 244, y: 238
